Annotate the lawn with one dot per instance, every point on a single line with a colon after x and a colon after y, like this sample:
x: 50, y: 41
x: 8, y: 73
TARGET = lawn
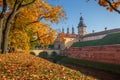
x: 91, y: 64
x: 19, y: 66
x: 113, y: 38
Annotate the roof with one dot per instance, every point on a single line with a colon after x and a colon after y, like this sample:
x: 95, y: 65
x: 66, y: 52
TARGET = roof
x: 63, y: 35
x: 70, y: 35
x: 103, y: 32
x: 81, y: 23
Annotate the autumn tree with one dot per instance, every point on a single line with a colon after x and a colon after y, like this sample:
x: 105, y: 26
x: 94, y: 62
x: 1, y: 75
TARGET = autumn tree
x: 111, y: 5
x: 60, y: 37
x: 2, y: 15
x: 45, y: 35
x: 13, y: 7
x: 22, y: 23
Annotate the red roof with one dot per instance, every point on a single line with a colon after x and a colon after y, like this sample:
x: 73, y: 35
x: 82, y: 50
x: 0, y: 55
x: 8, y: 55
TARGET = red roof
x: 70, y: 35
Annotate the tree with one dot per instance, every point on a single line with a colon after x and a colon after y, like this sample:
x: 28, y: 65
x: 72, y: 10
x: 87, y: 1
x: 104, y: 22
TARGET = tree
x: 45, y: 35
x: 110, y: 5
x: 60, y: 37
x: 2, y: 14
x: 18, y: 40
x: 13, y: 6
x: 23, y: 19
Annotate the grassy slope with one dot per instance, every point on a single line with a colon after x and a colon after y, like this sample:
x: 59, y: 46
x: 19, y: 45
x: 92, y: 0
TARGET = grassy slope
x: 99, y: 65
x: 113, y: 38
x: 27, y: 67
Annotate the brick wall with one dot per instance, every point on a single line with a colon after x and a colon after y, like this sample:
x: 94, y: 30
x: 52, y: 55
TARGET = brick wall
x: 108, y: 54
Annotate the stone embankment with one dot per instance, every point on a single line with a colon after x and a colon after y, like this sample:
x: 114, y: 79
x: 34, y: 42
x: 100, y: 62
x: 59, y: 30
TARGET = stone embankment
x: 108, y: 54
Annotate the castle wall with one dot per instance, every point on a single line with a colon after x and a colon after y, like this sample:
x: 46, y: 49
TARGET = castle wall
x: 59, y: 45
x: 56, y: 45
x: 69, y: 41
x: 94, y: 37
x: 107, y: 54
x: 66, y: 44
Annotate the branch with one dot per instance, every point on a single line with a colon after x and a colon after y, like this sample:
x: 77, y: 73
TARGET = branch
x: 110, y: 4
x: 39, y: 37
x: 34, y: 21
x: 4, y: 9
x: 28, y: 3
x: 19, y: 6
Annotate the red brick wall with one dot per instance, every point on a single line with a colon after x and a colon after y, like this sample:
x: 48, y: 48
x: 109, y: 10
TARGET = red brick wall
x: 108, y: 54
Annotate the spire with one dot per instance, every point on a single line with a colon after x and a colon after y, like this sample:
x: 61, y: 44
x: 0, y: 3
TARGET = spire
x: 81, y: 23
x: 67, y: 30
x: 81, y: 18
x: 105, y: 28
x: 62, y: 30
x: 73, y: 30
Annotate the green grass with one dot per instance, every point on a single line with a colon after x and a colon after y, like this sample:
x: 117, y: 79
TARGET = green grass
x: 98, y: 65
x: 110, y: 39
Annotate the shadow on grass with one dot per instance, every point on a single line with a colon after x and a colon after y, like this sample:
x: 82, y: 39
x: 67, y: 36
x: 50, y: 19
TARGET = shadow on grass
x: 98, y: 70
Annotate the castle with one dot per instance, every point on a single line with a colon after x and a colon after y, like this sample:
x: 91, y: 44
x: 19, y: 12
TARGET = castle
x: 70, y: 38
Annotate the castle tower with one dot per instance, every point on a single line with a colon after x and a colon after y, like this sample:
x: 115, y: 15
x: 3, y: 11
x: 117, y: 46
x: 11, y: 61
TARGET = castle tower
x: 81, y: 28
x: 73, y: 30
x: 67, y: 30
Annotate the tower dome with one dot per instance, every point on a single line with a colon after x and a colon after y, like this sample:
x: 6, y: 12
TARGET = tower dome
x: 81, y: 28
x: 81, y: 23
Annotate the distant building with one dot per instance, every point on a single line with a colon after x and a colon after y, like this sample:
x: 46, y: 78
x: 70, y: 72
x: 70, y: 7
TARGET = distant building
x: 70, y: 38
x: 67, y: 41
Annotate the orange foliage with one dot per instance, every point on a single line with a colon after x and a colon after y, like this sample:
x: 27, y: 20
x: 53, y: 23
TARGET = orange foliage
x: 103, y: 3
x: 27, y: 22
x: 0, y: 2
x: 18, y: 66
x: 45, y: 33
x: 60, y: 37
x: 110, y: 5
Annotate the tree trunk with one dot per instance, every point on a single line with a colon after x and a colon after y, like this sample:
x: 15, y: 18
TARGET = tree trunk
x: 1, y: 20
x: 1, y: 25
x: 6, y: 32
x: 8, y: 25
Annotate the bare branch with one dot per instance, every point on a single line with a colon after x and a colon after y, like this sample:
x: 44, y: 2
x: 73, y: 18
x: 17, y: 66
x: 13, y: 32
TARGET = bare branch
x: 28, y: 3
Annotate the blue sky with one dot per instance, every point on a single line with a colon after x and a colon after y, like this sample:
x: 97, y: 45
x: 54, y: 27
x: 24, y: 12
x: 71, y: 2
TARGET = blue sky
x: 95, y: 17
